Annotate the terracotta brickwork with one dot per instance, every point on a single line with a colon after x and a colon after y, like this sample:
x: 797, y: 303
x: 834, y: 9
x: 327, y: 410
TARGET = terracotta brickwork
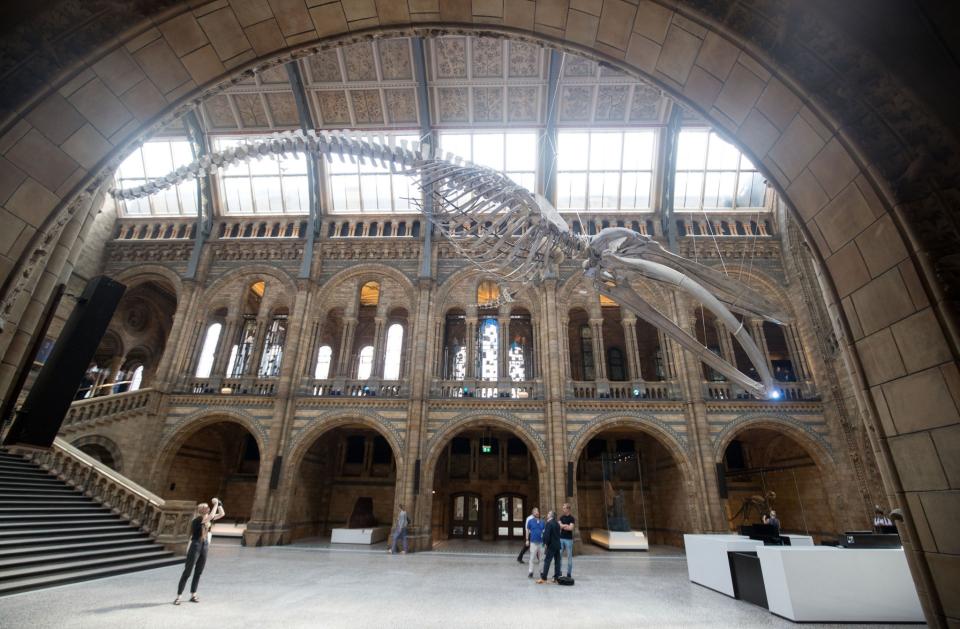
x: 869, y: 205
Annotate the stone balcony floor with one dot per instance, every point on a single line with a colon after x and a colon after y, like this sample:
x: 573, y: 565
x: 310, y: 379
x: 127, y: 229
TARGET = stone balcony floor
x: 314, y: 586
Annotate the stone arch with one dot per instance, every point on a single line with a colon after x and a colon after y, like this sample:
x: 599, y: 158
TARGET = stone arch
x: 504, y: 420
x: 134, y: 276
x: 247, y: 275
x: 302, y: 441
x: 363, y: 273
x: 180, y: 432
x: 816, y: 446
x: 107, y: 444
x: 827, y: 180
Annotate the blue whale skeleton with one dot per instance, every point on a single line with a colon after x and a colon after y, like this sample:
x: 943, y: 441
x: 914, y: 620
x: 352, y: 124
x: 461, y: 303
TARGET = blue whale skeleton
x: 520, y: 237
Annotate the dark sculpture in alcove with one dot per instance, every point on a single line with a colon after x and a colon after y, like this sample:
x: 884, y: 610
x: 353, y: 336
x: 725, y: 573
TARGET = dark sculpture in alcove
x: 362, y: 515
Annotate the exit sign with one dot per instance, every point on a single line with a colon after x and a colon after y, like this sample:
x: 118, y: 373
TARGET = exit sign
x: 486, y: 448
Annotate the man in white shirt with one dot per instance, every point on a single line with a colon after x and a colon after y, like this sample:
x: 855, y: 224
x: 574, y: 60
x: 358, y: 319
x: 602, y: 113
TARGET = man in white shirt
x: 526, y: 533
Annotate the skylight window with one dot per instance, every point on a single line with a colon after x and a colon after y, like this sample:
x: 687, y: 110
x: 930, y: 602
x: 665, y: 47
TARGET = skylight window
x: 512, y: 153
x: 605, y: 170
x: 269, y: 185
x: 152, y: 160
x: 713, y: 175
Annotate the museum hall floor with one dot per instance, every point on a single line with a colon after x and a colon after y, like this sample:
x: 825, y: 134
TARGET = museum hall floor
x: 315, y: 586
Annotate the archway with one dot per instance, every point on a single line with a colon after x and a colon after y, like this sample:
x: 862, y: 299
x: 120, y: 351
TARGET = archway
x: 345, y: 478
x: 486, y: 480
x: 101, y: 449
x: 220, y: 459
x: 628, y: 480
x: 762, y: 461
x: 787, y: 102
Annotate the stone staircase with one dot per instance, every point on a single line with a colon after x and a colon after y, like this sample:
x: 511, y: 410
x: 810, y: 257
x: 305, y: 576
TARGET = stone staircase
x: 52, y: 534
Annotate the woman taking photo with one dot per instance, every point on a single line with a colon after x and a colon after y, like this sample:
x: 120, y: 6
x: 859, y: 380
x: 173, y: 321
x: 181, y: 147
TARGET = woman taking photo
x: 199, y: 544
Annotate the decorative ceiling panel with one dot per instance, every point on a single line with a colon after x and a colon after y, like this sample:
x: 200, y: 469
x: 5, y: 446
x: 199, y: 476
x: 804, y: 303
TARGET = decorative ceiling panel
x: 576, y: 101
x: 612, y: 103
x: 358, y: 59
x: 219, y: 113
x: 578, y: 67
x: 273, y: 75
x: 450, y: 54
x: 524, y: 60
x: 250, y: 108
x: 488, y: 104
x: 648, y: 104
x: 325, y: 67
x: 523, y: 104
x: 487, y: 57
x: 333, y: 108
x: 366, y: 106
x: 401, y: 105
x: 395, y: 64
x: 452, y: 104
x: 283, y: 109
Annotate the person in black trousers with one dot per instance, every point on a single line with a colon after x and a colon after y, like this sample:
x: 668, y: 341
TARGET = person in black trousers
x: 551, y: 547
x: 199, y: 544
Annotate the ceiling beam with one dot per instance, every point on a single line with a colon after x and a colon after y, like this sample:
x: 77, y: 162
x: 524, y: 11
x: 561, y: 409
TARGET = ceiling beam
x: 667, y: 163
x: 315, y: 217
x: 199, y: 144
x: 426, y: 134
x: 548, y: 143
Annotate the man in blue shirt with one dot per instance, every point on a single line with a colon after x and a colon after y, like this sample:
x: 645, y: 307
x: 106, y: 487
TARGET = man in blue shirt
x: 534, y: 535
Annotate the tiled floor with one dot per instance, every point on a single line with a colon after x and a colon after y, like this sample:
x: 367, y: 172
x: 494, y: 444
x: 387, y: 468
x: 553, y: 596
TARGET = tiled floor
x: 318, y: 586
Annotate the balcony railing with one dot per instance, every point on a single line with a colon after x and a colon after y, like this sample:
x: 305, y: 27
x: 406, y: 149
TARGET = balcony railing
x: 108, y: 406
x: 355, y: 388
x: 722, y: 390
x: 601, y: 390
x: 521, y: 390
x: 247, y: 385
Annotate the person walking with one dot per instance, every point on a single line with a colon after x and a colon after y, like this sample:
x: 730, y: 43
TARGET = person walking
x: 534, y: 534
x: 526, y: 533
x: 199, y: 545
x: 567, y: 523
x: 551, y: 548
x: 400, y: 531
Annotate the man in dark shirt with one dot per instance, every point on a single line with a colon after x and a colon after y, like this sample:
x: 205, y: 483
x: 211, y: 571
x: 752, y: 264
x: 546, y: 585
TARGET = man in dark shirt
x: 567, y: 522
x: 773, y: 520
x: 551, y: 547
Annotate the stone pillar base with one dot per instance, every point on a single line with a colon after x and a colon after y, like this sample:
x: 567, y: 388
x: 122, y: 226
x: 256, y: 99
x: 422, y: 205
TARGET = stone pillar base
x: 264, y: 534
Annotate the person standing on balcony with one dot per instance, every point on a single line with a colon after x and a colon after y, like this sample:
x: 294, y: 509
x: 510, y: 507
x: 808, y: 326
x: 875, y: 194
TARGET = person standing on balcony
x: 199, y: 545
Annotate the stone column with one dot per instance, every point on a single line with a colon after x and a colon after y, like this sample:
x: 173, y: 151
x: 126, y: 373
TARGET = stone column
x: 471, y: 343
x: 533, y: 369
x: 629, y: 323
x: 231, y: 330
x: 345, y: 358
x: 726, y: 342
x: 259, y: 337
x: 797, y: 357
x: 503, y: 352
x: 379, y: 345
x: 756, y: 331
x: 599, y: 352
x: 166, y: 374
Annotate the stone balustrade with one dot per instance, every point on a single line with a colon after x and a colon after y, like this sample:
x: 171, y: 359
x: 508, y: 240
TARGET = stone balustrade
x: 590, y: 390
x: 108, y: 407
x: 521, y: 390
x: 582, y: 223
x: 228, y: 228
x: 167, y: 228
x: 725, y: 224
x: 371, y: 227
x: 355, y: 388
x: 166, y: 521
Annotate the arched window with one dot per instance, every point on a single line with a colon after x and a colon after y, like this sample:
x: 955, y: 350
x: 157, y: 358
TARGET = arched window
x: 273, y: 346
x: 586, y: 352
x: 487, y: 293
x: 370, y: 294
x: 205, y: 364
x: 615, y: 366
x: 391, y: 365
x: 517, y: 363
x: 489, y: 346
x: 136, y: 379
x: 365, y: 364
x: 324, y: 356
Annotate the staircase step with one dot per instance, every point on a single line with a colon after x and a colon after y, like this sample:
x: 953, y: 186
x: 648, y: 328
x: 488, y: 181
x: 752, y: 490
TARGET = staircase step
x: 73, y: 498
x: 7, y: 476
x: 39, y: 481
x: 89, y: 555
x: 58, y: 523
x: 92, y: 509
x: 34, y: 583
x: 43, y: 518
x: 8, y: 574
x: 6, y: 461
x: 48, y: 537
x: 26, y: 550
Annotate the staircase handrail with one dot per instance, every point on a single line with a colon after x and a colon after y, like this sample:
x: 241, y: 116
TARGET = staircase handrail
x: 106, y: 405
x: 167, y: 521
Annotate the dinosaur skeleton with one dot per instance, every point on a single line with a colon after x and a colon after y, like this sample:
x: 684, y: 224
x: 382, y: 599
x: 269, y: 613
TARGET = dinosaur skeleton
x: 520, y: 237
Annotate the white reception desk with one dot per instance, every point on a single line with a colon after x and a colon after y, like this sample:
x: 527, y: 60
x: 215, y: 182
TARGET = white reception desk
x: 824, y: 584
x: 707, y: 562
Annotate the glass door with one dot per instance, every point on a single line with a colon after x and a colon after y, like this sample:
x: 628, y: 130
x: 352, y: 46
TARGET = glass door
x: 465, y: 515
x: 511, y: 514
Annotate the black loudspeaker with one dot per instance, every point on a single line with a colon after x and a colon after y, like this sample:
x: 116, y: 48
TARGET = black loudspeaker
x: 722, y: 480
x: 569, y: 479
x: 416, y: 477
x: 40, y: 417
